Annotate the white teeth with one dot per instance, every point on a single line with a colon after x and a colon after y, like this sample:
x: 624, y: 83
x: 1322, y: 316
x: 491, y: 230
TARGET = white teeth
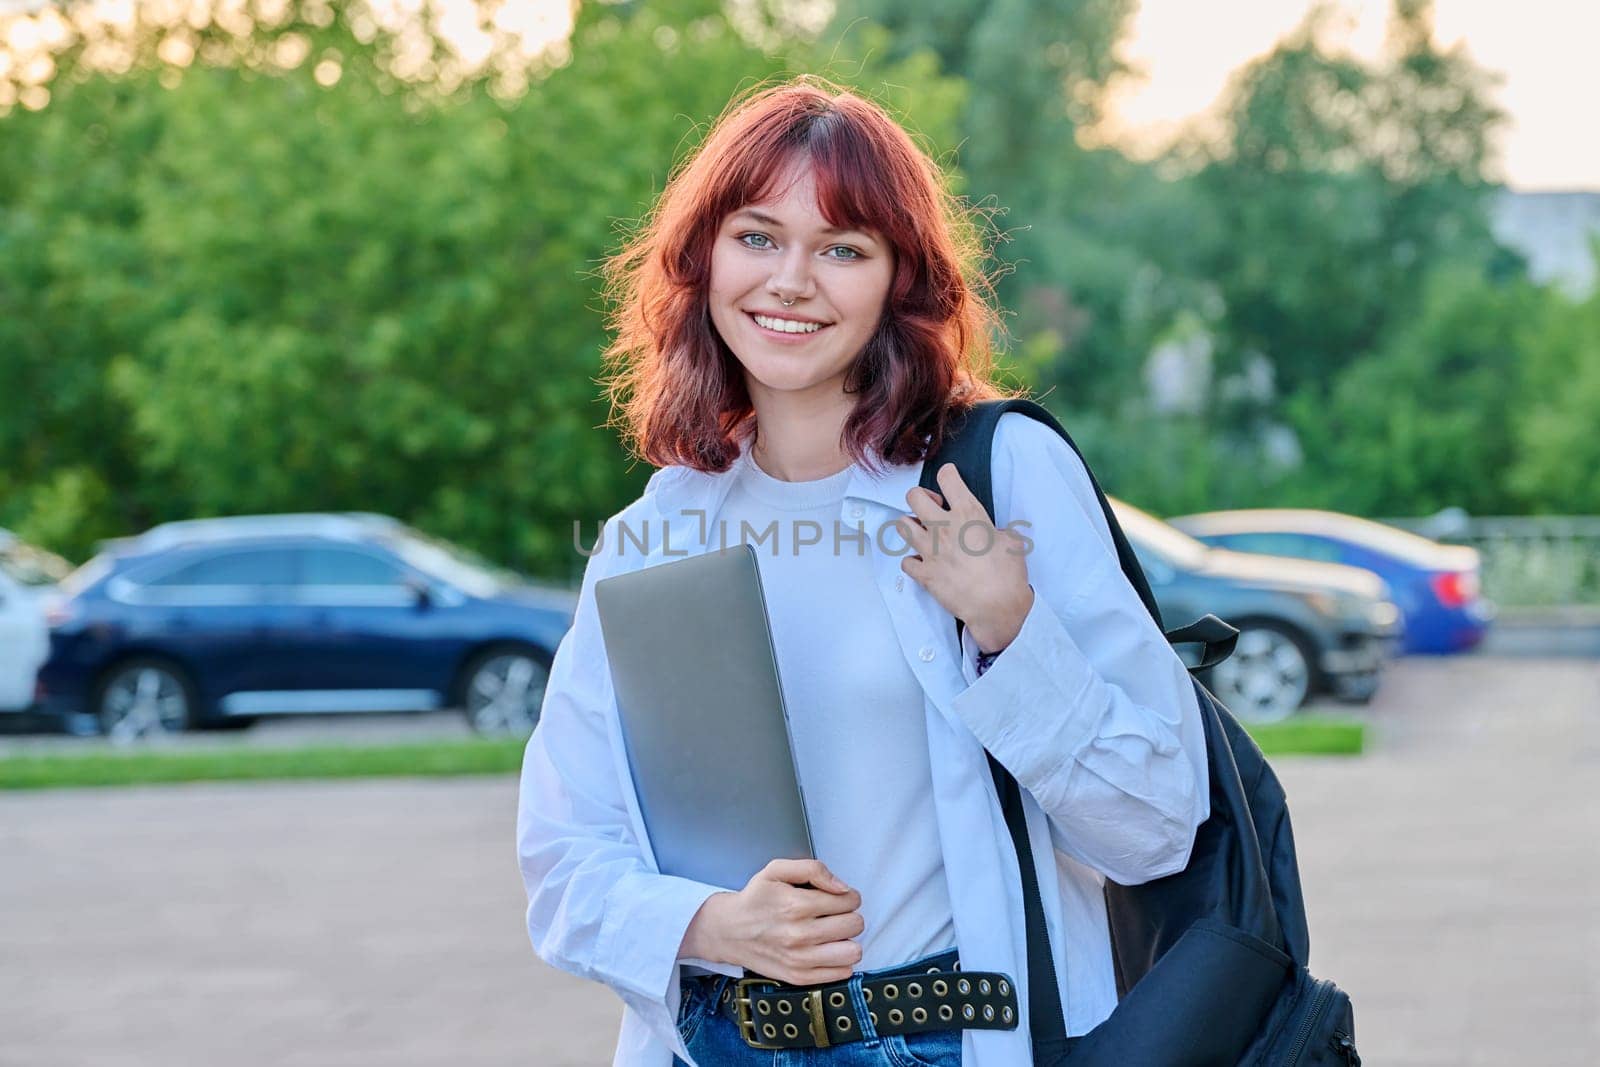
x: 787, y: 325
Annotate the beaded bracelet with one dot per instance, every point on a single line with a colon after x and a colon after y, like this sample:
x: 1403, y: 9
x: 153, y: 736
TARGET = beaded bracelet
x: 985, y: 659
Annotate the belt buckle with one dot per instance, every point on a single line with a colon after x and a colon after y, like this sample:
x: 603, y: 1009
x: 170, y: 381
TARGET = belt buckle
x: 819, y: 1024
x: 744, y: 1013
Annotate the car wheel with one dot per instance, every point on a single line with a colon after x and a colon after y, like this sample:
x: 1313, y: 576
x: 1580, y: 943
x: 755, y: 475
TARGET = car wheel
x: 504, y: 690
x: 143, y: 698
x: 1268, y: 676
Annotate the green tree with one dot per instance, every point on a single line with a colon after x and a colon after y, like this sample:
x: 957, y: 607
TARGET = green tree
x: 1339, y: 186
x: 1426, y: 420
x: 1557, y: 464
x: 292, y: 276
x: 1084, y: 279
x: 73, y: 294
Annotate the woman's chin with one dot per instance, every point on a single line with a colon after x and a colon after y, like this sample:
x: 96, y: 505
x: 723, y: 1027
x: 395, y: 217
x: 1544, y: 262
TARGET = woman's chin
x: 781, y: 381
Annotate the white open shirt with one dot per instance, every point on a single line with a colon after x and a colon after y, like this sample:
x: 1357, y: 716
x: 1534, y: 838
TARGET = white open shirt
x: 1089, y: 708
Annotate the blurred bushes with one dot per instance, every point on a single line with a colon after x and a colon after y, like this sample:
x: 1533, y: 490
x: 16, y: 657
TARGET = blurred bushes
x: 247, y: 289
x: 291, y: 257
x: 1556, y: 464
x: 1319, y: 258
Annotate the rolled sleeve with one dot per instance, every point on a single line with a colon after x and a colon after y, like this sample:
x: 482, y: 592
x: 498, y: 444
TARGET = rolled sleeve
x: 1042, y: 667
x: 646, y: 916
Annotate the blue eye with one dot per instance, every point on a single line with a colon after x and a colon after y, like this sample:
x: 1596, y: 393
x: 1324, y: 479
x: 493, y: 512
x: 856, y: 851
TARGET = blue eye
x: 852, y: 253
x: 748, y: 238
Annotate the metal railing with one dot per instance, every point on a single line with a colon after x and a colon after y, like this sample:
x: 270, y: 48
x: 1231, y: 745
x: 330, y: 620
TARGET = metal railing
x: 1528, y: 560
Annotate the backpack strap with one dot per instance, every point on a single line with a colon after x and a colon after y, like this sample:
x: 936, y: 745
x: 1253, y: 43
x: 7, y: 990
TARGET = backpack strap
x: 1208, y: 630
x: 968, y: 443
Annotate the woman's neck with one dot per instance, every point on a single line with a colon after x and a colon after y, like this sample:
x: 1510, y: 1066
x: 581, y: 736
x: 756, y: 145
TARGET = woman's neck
x: 793, y: 448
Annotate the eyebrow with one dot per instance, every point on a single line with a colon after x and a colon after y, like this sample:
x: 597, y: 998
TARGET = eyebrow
x: 767, y: 220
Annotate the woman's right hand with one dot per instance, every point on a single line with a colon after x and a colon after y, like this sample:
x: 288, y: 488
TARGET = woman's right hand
x: 777, y: 929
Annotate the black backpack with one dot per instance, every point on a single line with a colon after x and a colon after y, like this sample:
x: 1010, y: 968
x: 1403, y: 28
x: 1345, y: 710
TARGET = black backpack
x: 1211, y: 962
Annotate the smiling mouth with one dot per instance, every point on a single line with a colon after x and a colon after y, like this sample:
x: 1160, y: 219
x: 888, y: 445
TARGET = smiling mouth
x: 792, y: 327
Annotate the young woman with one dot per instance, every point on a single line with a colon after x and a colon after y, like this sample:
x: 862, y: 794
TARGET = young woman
x: 797, y: 320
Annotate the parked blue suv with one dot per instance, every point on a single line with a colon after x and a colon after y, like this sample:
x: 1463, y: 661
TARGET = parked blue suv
x: 214, y: 622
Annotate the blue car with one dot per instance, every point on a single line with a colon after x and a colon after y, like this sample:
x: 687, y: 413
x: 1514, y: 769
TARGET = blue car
x: 215, y: 622
x: 1436, y: 586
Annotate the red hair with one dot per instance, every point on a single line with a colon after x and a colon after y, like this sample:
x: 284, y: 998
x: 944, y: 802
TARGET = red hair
x: 677, y: 390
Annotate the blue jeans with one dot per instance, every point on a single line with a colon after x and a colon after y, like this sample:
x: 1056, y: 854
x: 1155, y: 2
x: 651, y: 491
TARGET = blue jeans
x: 713, y: 1039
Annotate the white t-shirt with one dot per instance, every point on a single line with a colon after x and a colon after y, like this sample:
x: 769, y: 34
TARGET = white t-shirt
x: 856, y: 711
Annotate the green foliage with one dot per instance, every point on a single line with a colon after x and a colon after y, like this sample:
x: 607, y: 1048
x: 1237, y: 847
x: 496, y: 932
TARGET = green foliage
x: 237, y: 289
x: 1169, y: 464
x: 1557, y: 467
x: 1340, y: 185
x: 1302, y: 237
x: 1426, y: 420
x: 1037, y: 72
x: 328, y: 263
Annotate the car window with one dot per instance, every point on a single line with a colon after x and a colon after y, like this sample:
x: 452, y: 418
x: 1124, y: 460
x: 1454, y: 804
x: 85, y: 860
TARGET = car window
x: 1296, y: 546
x: 1151, y: 537
x: 1321, y: 548
x: 460, y: 567
x: 263, y: 566
x: 345, y: 566
x: 1404, y: 545
x: 1270, y: 544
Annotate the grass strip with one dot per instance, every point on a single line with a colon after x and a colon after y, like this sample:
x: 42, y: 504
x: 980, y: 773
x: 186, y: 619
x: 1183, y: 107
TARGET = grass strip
x: 1301, y: 735
x: 1310, y: 735
x: 240, y: 763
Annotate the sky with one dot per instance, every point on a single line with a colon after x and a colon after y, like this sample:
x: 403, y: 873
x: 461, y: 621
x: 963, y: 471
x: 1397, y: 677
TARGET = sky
x: 1545, y: 50
x: 1184, y: 51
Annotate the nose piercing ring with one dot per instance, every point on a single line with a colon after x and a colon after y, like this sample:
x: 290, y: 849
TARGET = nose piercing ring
x: 788, y: 303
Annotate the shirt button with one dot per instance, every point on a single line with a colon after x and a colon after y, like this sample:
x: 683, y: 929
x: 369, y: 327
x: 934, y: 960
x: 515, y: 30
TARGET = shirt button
x: 899, y: 583
x: 927, y: 653
x: 856, y: 511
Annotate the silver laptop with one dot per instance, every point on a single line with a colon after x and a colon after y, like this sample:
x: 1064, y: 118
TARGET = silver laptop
x: 703, y: 716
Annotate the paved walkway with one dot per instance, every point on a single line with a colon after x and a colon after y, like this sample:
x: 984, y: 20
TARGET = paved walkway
x: 1453, y: 878
x: 1453, y: 875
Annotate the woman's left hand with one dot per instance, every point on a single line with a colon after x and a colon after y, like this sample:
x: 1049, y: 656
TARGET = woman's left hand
x: 978, y: 573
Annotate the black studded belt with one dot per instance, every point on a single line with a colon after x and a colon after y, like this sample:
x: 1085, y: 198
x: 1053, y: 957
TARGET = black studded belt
x: 773, y: 1015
